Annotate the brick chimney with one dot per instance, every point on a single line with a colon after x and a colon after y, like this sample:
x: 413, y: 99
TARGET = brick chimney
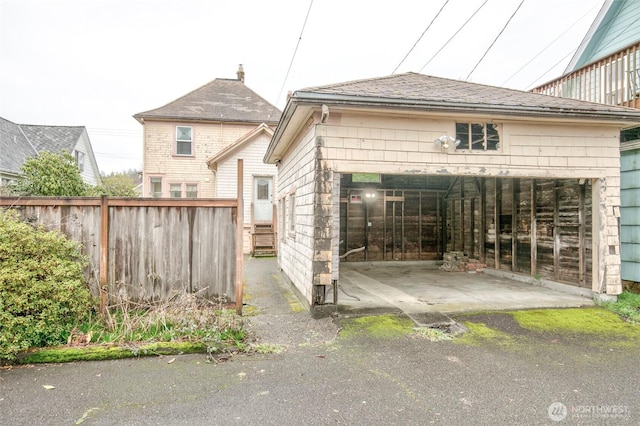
x: 240, y: 73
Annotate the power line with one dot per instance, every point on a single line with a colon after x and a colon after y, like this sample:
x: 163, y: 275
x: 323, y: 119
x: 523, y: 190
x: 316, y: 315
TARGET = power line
x: 494, y: 40
x: 295, y: 51
x: 547, y: 46
x: 420, y: 38
x: 551, y: 67
x: 456, y: 33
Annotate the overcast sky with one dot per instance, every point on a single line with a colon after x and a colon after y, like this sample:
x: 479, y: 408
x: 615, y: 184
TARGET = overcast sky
x: 95, y: 63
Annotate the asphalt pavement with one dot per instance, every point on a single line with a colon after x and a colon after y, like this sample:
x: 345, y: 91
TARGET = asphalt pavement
x: 323, y: 378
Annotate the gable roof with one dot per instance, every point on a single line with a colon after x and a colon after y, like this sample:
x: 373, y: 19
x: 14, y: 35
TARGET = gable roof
x: 19, y: 142
x: 418, y: 92
x: 219, y: 100
x: 614, y: 28
x: 238, y: 145
x: 53, y: 138
x: 15, y: 147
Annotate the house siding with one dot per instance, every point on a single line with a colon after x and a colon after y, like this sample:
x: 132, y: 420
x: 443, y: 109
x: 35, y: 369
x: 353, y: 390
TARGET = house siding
x: 253, y: 165
x: 630, y: 214
x: 90, y: 174
x: 208, y: 140
x: 296, y: 175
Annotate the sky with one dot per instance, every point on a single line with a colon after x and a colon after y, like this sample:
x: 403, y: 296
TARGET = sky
x: 96, y: 63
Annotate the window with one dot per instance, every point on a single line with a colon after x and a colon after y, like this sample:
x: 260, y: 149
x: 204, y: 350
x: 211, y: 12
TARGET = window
x: 281, y: 216
x: 292, y: 208
x: 184, y: 140
x: 175, y: 190
x: 155, y: 187
x: 192, y: 190
x: 477, y: 137
x: 263, y: 189
x: 80, y: 160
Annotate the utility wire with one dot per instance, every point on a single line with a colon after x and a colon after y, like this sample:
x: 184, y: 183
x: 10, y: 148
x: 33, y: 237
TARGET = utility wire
x: 573, y: 51
x: 601, y: 27
x: 420, y: 38
x: 494, y: 41
x: 456, y: 33
x: 546, y: 47
x: 294, y: 52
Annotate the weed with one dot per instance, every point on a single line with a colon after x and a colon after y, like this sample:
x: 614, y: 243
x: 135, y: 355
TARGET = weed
x: 627, y: 306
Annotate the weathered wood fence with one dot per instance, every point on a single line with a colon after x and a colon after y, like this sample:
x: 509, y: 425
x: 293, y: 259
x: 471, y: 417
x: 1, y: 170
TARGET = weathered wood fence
x: 149, y: 249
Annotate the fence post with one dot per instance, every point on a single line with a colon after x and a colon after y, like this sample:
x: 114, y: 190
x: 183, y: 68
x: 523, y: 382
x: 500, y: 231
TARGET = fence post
x: 104, y: 253
x: 239, y: 236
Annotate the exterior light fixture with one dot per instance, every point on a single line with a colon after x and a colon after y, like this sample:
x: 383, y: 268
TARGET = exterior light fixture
x: 369, y: 195
x: 444, y: 141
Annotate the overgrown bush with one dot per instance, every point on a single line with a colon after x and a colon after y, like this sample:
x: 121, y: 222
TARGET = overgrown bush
x: 43, y: 294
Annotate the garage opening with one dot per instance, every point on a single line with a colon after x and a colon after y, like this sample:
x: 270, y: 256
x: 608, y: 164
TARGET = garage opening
x: 536, y: 227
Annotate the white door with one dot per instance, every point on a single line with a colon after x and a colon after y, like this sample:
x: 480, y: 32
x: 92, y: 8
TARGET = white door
x: 262, y: 196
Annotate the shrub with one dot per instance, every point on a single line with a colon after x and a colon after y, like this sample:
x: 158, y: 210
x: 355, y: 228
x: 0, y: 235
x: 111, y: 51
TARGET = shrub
x: 43, y: 293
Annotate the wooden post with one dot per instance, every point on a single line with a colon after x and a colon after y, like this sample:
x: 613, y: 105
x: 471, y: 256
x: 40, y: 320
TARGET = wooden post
x: 534, y: 230
x: 104, y: 253
x: 515, y: 194
x: 556, y: 231
x: 239, y: 237
x: 497, y: 212
x: 482, y: 237
x: 582, y: 272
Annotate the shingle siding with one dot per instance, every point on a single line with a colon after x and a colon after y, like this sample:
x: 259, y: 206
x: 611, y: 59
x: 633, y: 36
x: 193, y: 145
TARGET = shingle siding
x: 296, y: 175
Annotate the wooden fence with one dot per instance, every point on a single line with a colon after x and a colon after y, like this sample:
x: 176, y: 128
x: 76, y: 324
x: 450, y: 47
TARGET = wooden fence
x: 148, y: 249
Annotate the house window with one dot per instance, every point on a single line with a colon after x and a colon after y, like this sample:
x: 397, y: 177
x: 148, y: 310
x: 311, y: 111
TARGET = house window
x: 175, y: 190
x: 192, y: 190
x: 282, y: 216
x: 184, y: 140
x: 155, y: 187
x: 477, y: 137
x: 80, y: 160
x: 292, y: 208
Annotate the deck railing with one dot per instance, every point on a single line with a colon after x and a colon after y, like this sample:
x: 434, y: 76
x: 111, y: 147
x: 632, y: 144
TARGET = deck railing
x: 614, y: 80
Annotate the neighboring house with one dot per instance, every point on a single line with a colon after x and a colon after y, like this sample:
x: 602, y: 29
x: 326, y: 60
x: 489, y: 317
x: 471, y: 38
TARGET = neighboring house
x: 19, y: 142
x: 408, y: 167
x: 606, y: 69
x: 191, y: 146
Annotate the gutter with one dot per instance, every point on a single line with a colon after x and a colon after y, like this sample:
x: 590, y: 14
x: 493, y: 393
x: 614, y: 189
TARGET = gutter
x: 316, y: 98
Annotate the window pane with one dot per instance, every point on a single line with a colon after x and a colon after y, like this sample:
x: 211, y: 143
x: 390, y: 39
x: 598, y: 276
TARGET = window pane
x: 184, y: 148
x: 192, y: 191
x: 477, y: 136
x: 156, y: 187
x: 183, y: 133
x: 175, y: 190
x: 263, y: 189
x: 462, y: 134
x: 493, y: 139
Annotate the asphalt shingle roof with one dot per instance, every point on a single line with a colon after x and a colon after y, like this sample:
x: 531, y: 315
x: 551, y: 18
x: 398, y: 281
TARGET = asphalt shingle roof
x: 447, y: 93
x: 53, y: 138
x: 19, y: 142
x: 14, y: 147
x: 218, y: 100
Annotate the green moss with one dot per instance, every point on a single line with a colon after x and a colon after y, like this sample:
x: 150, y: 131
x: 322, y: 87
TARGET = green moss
x: 480, y: 333
x: 380, y: 326
x: 587, y: 321
x: 97, y: 353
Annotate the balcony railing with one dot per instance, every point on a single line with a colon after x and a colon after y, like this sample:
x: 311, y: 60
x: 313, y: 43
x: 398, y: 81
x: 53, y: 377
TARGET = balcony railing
x: 614, y: 80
